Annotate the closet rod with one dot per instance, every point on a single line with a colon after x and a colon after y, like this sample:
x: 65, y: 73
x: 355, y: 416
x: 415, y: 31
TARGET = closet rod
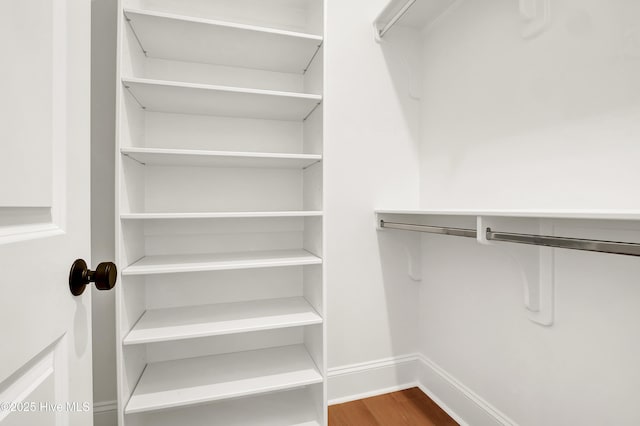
x: 611, y: 247
x: 396, y: 18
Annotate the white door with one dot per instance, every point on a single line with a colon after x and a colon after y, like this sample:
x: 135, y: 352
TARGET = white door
x: 45, y: 351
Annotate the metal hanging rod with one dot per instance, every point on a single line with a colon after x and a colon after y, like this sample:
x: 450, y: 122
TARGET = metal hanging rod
x: 396, y: 18
x: 599, y: 246
x: 456, y: 232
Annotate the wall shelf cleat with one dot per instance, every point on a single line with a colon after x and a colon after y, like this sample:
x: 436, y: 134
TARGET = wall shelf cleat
x: 536, y: 15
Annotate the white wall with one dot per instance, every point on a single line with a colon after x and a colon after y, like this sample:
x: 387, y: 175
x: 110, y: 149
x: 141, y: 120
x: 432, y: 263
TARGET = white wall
x: 552, y: 122
x: 103, y: 79
x: 371, y: 135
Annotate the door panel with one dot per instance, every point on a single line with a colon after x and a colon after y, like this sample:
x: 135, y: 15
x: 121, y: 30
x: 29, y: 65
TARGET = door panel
x: 44, y: 211
x: 27, y: 99
x: 32, y: 392
x: 33, y: 114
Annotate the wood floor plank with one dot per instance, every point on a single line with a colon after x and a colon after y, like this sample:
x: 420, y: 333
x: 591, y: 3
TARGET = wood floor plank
x: 426, y: 413
x: 351, y: 414
x: 420, y: 406
x: 387, y: 411
x: 410, y: 407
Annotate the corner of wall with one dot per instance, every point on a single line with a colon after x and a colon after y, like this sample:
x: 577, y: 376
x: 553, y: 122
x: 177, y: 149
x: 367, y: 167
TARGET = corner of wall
x: 460, y: 402
x: 367, y: 379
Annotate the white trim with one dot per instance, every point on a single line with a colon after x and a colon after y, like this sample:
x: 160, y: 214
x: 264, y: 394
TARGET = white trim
x: 367, y: 379
x: 108, y: 417
x: 370, y: 365
x: 461, y: 397
x: 442, y: 405
x: 105, y: 406
x: 372, y: 393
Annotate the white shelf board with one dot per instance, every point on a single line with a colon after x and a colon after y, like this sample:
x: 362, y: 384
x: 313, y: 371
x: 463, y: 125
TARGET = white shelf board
x: 170, y: 324
x: 190, y: 39
x: 203, y: 158
x: 418, y: 15
x: 206, y: 99
x: 166, y: 264
x: 194, y: 381
x: 542, y: 214
x: 286, y: 408
x: 219, y: 215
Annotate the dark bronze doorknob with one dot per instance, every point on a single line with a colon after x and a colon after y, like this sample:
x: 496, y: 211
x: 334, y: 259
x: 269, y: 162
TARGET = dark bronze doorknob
x: 104, y: 276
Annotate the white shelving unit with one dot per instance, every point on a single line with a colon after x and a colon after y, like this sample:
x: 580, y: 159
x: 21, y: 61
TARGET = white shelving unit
x: 221, y: 303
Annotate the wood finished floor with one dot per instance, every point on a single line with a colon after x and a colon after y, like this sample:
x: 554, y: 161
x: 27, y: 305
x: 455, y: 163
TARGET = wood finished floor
x: 410, y: 407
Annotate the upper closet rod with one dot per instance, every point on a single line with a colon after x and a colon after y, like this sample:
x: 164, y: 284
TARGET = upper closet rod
x: 396, y: 18
x: 611, y: 247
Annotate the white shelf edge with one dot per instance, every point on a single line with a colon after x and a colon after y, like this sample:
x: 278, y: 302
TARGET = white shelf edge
x: 293, y: 407
x: 219, y: 23
x: 390, y: 15
x: 410, y: 13
x: 543, y: 214
x: 222, y: 265
x: 296, y: 352
x: 219, y: 215
x: 207, y: 153
x: 217, y: 88
x: 177, y: 332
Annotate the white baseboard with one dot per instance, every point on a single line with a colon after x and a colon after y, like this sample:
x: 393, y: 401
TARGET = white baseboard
x: 357, y: 381
x: 461, y: 403
x: 105, y: 413
x: 363, y: 380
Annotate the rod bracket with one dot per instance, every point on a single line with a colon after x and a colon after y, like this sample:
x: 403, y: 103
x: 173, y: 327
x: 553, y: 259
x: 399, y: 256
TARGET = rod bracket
x: 412, y: 250
x: 536, y: 265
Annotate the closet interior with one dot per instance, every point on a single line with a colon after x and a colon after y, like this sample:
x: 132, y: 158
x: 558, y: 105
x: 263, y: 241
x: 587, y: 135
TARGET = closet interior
x: 221, y: 303
x: 500, y: 119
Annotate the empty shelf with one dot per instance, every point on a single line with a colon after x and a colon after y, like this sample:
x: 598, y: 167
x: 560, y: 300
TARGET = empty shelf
x: 218, y: 215
x: 160, y: 325
x: 189, y: 98
x: 622, y: 214
x: 195, y: 381
x: 286, y: 408
x: 183, y: 38
x: 410, y: 13
x: 166, y: 264
x: 200, y: 158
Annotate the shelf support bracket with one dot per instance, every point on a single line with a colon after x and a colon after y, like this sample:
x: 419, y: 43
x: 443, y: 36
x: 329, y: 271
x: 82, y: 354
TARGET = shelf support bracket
x: 413, y: 251
x: 536, y: 15
x: 412, y: 246
x: 135, y: 34
x: 537, y: 267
